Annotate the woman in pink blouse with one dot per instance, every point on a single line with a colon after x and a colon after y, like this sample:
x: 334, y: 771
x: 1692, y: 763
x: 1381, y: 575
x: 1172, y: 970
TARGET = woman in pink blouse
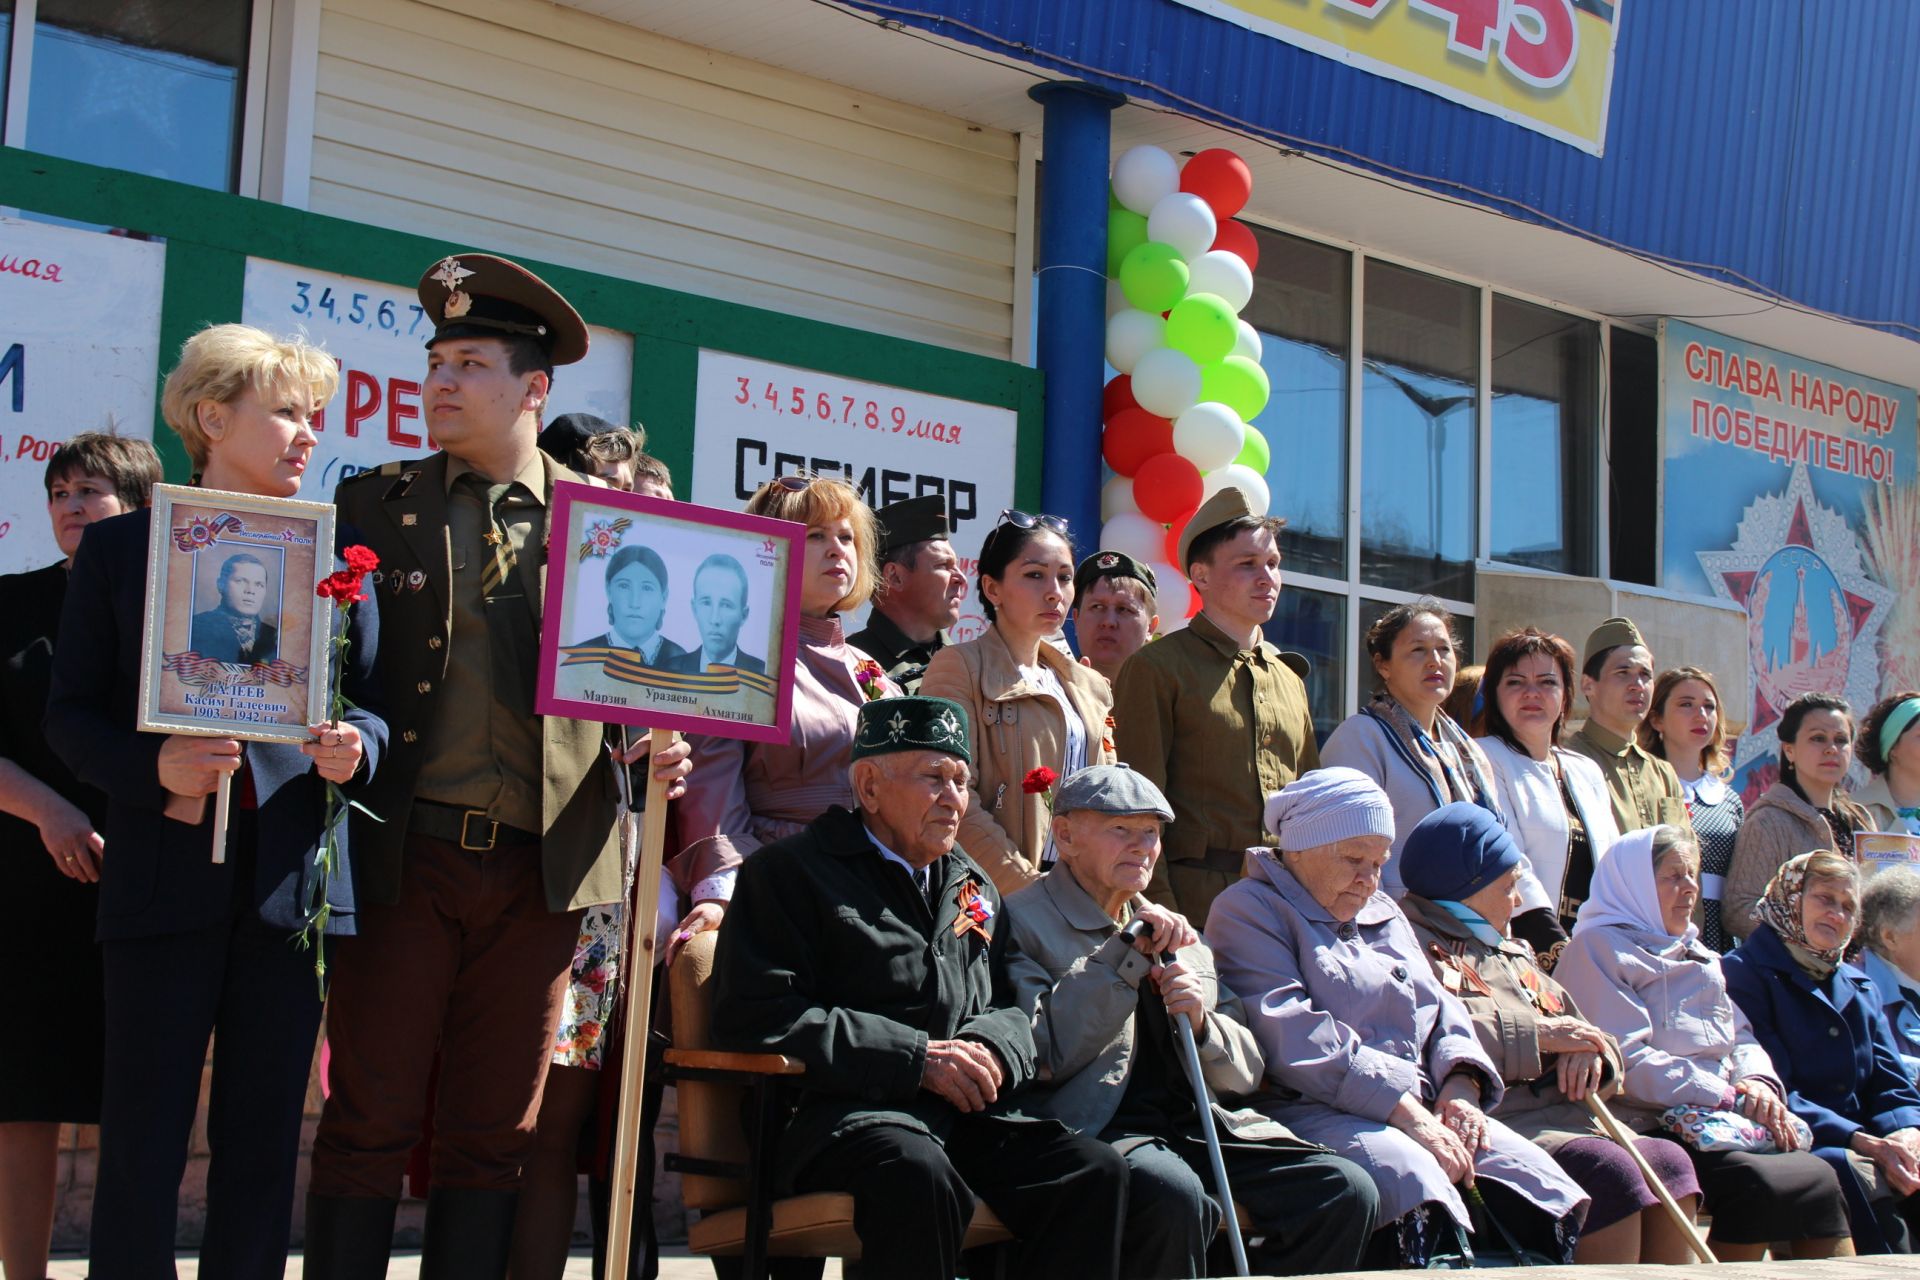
x: 752, y: 793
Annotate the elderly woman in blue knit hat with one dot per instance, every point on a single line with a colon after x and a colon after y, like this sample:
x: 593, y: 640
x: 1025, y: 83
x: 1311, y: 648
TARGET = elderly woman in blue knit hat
x: 1462, y: 872
x: 1367, y: 1050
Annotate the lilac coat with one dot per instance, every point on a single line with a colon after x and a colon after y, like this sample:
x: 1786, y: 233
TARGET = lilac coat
x: 1351, y: 1017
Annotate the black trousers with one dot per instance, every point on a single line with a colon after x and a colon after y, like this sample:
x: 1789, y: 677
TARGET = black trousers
x: 244, y: 983
x: 1063, y: 1195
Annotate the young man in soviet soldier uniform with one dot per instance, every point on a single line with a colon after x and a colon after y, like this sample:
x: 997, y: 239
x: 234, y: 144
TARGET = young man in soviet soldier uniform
x: 871, y: 948
x: 921, y: 587
x: 495, y: 825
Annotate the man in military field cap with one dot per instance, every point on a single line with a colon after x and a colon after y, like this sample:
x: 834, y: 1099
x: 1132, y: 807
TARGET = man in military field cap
x: 495, y: 825
x: 1213, y: 715
x: 921, y: 587
x: 871, y: 948
x: 1112, y: 1068
x: 1114, y: 610
x: 1616, y: 679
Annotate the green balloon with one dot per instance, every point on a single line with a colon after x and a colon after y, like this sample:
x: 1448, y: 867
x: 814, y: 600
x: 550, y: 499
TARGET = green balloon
x: 1254, y: 453
x: 1237, y: 382
x: 1153, y: 276
x: 1126, y: 231
x: 1203, y: 326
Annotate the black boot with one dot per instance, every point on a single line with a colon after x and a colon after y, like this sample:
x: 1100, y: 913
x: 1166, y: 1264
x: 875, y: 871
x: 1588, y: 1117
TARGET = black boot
x: 469, y: 1234
x: 348, y: 1238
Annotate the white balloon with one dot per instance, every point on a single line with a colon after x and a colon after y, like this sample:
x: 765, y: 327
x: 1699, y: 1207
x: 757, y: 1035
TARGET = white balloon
x: 1245, y: 478
x: 1185, y: 222
x: 1209, y: 435
x: 1226, y: 274
x: 1116, y: 498
x: 1131, y: 334
x: 1248, y: 344
x: 1169, y: 588
x: 1170, y: 623
x: 1166, y: 382
x: 1116, y: 299
x: 1144, y: 176
x: 1135, y: 535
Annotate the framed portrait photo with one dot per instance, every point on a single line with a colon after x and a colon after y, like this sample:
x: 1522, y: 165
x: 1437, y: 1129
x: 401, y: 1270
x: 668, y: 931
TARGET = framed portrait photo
x: 669, y: 615
x: 236, y: 640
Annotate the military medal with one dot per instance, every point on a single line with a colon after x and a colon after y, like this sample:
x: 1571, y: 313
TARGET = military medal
x: 974, y: 912
x: 1543, y: 999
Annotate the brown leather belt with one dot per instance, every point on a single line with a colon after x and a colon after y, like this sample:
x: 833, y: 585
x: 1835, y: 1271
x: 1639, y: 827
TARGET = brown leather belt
x: 471, y: 829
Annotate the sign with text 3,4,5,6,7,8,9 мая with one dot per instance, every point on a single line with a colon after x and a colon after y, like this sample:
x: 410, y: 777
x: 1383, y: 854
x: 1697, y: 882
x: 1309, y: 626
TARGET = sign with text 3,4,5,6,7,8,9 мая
x: 1545, y: 65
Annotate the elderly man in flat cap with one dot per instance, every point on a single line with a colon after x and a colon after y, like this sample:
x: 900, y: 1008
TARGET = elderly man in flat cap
x: 495, y: 825
x: 871, y: 948
x: 1114, y: 612
x: 1616, y: 679
x: 921, y: 587
x: 1213, y: 714
x: 1111, y: 1068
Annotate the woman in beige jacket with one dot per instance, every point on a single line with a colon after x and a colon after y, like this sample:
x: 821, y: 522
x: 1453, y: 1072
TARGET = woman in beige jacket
x: 1029, y: 704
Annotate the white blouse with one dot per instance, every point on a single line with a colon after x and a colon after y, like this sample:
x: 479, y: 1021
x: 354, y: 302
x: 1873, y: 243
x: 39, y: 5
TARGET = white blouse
x: 1537, y: 816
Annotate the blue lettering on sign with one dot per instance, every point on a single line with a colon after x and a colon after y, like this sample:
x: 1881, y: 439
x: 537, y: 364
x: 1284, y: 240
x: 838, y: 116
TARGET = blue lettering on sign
x: 14, y: 365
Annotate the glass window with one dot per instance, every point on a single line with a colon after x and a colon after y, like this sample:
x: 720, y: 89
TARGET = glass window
x: 153, y: 86
x: 1370, y: 612
x: 1301, y: 306
x: 1419, y: 421
x: 1546, y: 368
x: 1633, y: 451
x: 1314, y: 624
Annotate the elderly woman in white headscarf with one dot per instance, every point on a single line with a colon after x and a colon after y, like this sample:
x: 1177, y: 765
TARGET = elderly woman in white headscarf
x: 1367, y: 1052
x: 1638, y: 970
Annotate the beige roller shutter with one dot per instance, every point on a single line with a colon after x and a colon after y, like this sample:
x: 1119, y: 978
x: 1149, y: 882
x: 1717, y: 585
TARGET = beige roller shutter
x: 527, y: 128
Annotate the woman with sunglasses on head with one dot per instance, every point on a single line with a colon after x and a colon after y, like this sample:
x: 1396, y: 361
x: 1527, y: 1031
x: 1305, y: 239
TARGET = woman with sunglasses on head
x: 1030, y: 706
x: 752, y: 793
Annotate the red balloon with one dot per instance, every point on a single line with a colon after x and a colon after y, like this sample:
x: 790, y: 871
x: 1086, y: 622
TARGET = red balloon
x: 1167, y: 488
x: 1237, y: 238
x: 1117, y: 397
x: 1133, y: 436
x: 1221, y: 178
x: 1173, y: 543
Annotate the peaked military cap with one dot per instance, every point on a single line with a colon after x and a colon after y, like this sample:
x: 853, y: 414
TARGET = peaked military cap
x: 482, y: 295
x: 912, y: 520
x: 912, y: 724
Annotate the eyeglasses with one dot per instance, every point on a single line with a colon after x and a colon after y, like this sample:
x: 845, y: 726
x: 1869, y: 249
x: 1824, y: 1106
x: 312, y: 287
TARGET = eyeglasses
x: 1021, y: 520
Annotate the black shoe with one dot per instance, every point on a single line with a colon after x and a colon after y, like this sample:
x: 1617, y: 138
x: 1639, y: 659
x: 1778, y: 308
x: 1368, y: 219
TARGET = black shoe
x: 469, y: 1234
x: 348, y: 1238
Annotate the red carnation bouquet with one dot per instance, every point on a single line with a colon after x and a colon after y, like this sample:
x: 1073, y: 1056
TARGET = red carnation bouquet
x: 1039, y: 781
x: 346, y: 588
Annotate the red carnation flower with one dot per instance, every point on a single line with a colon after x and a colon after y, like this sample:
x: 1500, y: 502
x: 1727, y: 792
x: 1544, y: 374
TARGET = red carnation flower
x: 1039, y: 781
x: 361, y: 560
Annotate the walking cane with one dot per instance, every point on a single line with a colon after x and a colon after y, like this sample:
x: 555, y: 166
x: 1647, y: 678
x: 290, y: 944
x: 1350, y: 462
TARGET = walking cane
x: 1190, y: 1053
x: 1619, y: 1133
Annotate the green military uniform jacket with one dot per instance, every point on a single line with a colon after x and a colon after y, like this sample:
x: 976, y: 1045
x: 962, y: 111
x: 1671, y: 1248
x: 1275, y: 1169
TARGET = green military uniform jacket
x: 904, y: 659
x: 831, y: 955
x: 400, y: 511
x: 1644, y: 789
x: 1218, y: 729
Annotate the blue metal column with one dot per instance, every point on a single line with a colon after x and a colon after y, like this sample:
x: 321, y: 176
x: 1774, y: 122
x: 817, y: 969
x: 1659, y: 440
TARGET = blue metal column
x: 1072, y: 311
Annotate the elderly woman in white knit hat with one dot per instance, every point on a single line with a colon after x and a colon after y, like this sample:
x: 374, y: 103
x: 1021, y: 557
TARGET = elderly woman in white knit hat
x: 1367, y: 1051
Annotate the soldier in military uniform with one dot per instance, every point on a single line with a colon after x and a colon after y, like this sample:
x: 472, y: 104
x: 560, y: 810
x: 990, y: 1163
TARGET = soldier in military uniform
x: 871, y: 948
x: 921, y: 587
x: 1114, y: 611
x: 1616, y: 679
x: 494, y: 827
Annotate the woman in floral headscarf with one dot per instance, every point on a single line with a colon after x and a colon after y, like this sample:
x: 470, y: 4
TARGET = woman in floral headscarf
x: 1818, y: 1019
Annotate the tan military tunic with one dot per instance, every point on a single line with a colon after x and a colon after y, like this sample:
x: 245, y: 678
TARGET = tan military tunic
x: 1218, y: 728
x: 490, y: 760
x: 1644, y: 789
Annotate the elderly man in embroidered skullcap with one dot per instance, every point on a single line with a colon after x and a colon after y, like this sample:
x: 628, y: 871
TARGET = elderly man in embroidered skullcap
x: 870, y: 947
x: 1367, y: 1051
x: 1102, y: 1033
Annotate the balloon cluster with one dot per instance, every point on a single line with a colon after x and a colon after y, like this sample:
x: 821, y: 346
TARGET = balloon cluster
x: 1180, y: 272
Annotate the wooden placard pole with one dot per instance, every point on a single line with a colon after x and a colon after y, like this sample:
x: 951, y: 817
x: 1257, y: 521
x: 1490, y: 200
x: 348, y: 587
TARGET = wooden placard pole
x: 643, y: 929
x: 222, y: 805
x: 1619, y: 1133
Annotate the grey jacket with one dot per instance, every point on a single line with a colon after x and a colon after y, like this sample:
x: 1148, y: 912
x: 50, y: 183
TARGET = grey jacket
x: 1079, y: 981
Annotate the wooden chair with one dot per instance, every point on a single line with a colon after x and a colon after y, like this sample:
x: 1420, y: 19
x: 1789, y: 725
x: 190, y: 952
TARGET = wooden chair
x: 732, y: 1109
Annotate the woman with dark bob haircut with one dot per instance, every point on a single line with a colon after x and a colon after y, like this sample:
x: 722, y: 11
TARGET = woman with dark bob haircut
x: 1804, y: 811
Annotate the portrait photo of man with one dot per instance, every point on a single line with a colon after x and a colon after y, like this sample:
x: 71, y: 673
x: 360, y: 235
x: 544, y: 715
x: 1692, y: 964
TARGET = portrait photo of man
x: 235, y: 629
x: 636, y: 603
x: 719, y: 611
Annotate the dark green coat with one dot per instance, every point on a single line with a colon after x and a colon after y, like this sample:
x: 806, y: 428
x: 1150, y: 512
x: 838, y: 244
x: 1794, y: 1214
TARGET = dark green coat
x: 904, y: 660
x: 831, y: 956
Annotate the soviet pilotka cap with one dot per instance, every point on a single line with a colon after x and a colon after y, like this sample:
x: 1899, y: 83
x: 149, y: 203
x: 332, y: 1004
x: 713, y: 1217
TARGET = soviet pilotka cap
x: 913, y: 520
x: 1611, y: 634
x: 482, y: 295
x: 915, y: 723
x: 1224, y: 507
x: 1111, y: 788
